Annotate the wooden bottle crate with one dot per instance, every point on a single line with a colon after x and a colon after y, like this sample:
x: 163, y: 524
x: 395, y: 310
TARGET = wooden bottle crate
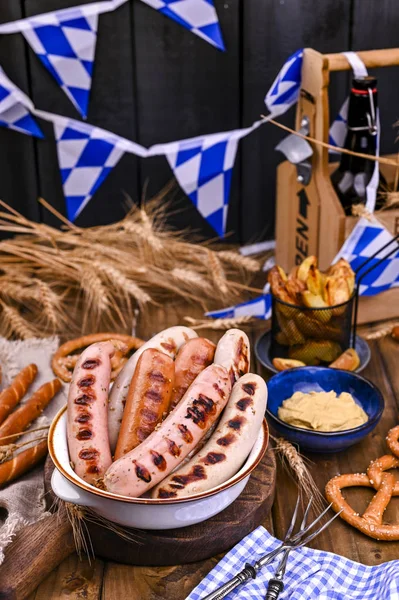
x: 310, y: 219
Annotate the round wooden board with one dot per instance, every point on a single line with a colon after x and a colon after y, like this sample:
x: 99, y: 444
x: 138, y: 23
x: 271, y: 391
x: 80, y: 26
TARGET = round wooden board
x: 194, y: 543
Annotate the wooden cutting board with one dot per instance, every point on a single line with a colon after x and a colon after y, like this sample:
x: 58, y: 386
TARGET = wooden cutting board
x: 40, y: 548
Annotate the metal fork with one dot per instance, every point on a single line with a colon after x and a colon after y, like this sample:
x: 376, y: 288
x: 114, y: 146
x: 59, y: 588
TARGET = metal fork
x: 289, y: 543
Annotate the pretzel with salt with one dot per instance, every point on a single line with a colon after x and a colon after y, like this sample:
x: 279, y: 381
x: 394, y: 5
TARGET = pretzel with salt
x: 66, y: 357
x: 393, y: 440
x: 370, y: 523
x: 378, y: 466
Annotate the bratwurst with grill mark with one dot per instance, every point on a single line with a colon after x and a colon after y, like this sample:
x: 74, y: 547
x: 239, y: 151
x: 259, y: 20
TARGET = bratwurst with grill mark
x: 227, y: 448
x: 87, y: 428
x: 149, y: 463
x: 147, y: 401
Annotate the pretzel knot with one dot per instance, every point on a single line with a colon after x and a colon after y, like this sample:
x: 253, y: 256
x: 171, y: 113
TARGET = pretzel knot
x: 393, y: 440
x: 67, y: 355
x: 370, y: 523
x: 378, y: 466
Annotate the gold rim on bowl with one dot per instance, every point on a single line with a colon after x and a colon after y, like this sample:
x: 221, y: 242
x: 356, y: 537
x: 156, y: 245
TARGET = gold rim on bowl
x: 152, y: 501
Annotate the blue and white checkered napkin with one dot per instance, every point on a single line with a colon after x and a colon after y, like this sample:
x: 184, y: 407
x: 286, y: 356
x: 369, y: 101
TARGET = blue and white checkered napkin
x: 310, y: 575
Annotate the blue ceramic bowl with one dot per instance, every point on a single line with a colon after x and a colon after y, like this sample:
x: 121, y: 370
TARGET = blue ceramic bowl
x: 305, y: 379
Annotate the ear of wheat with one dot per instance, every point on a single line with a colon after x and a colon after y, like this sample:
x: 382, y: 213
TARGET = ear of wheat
x: 80, y: 280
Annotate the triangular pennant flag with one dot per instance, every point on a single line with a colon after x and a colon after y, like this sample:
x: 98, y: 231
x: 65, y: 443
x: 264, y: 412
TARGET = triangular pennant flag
x: 198, y: 16
x: 15, y: 108
x: 86, y: 155
x: 66, y: 46
x: 284, y: 91
x: 339, y: 127
x: 203, y: 167
x: 260, y: 307
x: 366, y: 238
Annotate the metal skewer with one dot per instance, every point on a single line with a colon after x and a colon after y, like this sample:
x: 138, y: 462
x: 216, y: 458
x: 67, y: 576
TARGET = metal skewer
x: 289, y: 543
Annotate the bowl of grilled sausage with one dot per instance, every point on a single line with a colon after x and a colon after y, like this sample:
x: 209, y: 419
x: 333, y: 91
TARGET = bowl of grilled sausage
x: 172, y: 441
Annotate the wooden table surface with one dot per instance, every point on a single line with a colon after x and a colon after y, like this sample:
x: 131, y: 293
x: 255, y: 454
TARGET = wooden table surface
x: 77, y: 579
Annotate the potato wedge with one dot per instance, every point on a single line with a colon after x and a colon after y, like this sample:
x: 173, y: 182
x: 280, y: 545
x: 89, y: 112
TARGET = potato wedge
x: 313, y: 353
x: 313, y: 300
x: 288, y: 327
x: 294, y: 288
x: 313, y: 281
x: 277, y: 279
x: 304, y: 267
x: 283, y: 364
x: 317, y: 329
x: 348, y: 361
x: 337, y: 290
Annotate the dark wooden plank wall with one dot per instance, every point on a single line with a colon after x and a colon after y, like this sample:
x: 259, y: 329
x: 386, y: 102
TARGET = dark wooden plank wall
x: 156, y: 82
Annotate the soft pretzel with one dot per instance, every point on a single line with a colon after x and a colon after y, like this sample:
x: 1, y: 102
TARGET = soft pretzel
x: 393, y: 440
x: 370, y: 523
x: 378, y: 466
x: 64, y: 360
x: 10, y: 397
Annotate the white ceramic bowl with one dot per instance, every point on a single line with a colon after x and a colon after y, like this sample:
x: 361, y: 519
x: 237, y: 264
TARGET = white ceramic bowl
x: 145, y: 513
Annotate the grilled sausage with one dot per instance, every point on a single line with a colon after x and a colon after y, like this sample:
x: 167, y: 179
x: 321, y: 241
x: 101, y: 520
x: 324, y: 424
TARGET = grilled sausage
x: 149, y: 463
x: 193, y: 357
x: 168, y: 342
x: 147, y: 401
x: 233, y: 353
x: 87, y: 427
x: 227, y: 448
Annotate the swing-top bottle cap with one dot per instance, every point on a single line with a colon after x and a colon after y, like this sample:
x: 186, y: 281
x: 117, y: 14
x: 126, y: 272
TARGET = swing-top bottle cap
x: 363, y: 84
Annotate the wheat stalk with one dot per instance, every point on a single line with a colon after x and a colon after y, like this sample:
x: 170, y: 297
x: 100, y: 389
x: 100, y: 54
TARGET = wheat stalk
x: 226, y: 323
x: 217, y: 272
x: 13, y: 322
x: 122, y: 282
x: 378, y: 331
x: 191, y: 278
x: 237, y: 260
x: 290, y: 457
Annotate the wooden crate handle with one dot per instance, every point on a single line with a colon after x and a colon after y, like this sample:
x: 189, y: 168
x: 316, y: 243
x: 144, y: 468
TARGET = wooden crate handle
x: 371, y: 58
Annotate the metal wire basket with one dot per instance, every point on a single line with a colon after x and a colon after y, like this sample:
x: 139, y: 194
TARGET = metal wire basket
x: 315, y: 336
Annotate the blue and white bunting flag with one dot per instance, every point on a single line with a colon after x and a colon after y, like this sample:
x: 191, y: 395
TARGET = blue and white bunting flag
x: 198, y: 16
x: 86, y: 156
x: 284, y: 91
x: 366, y: 238
x: 16, y: 108
x: 65, y: 41
x: 260, y: 307
x: 203, y: 167
x: 339, y: 127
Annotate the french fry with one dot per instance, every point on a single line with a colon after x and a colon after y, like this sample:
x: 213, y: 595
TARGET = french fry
x: 348, y: 361
x: 283, y: 364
